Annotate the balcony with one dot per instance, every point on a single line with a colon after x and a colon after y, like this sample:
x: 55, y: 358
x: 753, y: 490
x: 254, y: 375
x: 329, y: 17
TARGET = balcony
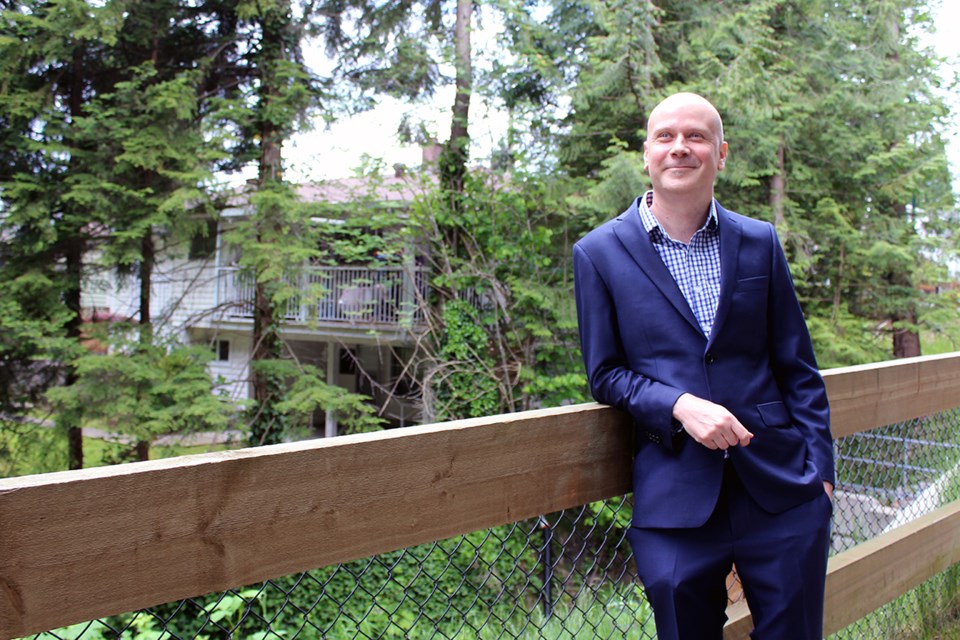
x: 383, y: 298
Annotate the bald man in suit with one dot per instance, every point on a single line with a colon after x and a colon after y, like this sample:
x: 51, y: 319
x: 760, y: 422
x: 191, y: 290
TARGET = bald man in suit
x: 690, y: 323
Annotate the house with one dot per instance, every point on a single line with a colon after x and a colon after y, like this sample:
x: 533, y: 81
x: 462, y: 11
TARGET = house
x: 356, y: 322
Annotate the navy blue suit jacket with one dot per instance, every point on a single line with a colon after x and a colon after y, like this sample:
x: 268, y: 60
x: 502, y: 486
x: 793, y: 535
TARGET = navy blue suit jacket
x: 643, y: 348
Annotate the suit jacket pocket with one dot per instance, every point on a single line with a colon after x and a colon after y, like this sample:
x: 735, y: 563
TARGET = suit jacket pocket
x: 752, y: 284
x: 774, y: 414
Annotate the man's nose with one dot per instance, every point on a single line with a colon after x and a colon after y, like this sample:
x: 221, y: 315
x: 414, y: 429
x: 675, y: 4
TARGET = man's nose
x: 679, y: 146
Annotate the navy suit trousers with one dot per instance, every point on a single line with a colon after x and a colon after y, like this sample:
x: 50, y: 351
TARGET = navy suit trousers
x: 781, y: 560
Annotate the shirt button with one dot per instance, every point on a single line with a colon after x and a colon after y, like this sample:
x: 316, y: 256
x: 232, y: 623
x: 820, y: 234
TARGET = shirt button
x: 709, y: 358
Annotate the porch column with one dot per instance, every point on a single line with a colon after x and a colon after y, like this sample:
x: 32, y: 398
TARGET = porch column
x: 333, y: 358
x: 407, y: 312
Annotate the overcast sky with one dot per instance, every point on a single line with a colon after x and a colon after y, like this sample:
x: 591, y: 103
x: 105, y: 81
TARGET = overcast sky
x: 335, y: 152
x: 947, y: 44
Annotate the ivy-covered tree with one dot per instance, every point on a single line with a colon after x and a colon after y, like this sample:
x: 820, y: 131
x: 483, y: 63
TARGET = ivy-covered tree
x: 504, y: 338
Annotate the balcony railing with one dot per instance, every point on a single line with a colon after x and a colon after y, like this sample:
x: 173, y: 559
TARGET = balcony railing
x: 83, y: 545
x: 388, y: 296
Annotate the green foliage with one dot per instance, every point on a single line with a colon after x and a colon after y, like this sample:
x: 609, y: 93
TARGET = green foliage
x: 503, y: 331
x: 410, y: 593
x: 113, y: 123
x: 144, y: 390
x: 32, y: 323
x: 612, y: 513
x: 619, y: 180
x: 307, y: 391
x: 833, y: 113
x: 615, y: 612
x: 940, y: 332
x: 27, y: 448
x: 845, y: 340
x: 464, y: 381
x: 268, y: 424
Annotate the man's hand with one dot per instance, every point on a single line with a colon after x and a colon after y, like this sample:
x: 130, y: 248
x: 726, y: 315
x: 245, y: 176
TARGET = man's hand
x: 828, y: 488
x: 710, y: 424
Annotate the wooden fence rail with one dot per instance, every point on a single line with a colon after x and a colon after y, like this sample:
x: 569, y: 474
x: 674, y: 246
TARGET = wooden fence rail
x: 81, y: 545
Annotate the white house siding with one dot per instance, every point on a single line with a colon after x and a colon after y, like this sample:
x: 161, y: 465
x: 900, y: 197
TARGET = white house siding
x: 183, y: 293
x: 231, y: 377
x: 186, y: 293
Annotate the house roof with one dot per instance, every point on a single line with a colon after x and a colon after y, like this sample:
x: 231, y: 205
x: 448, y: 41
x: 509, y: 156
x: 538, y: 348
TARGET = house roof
x: 396, y: 188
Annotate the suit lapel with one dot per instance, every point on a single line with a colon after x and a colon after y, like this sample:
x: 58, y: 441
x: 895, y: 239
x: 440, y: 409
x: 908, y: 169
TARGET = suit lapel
x: 730, y: 234
x: 637, y: 243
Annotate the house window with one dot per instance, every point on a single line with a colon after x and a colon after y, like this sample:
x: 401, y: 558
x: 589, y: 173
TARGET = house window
x: 348, y: 362
x: 401, y: 374
x: 222, y: 349
x: 203, y: 243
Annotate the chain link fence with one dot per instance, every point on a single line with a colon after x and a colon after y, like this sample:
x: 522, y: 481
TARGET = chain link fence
x: 564, y: 575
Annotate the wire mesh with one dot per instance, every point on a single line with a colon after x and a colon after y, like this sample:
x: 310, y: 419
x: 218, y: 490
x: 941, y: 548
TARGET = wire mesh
x: 562, y: 575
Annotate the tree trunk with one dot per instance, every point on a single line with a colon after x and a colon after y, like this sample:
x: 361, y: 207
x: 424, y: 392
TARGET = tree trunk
x: 73, y: 250
x: 454, y: 162
x: 73, y: 258
x: 453, y: 171
x: 147, y: 258
x: 906, y: 342
x: 837, y: 288
x: 266, y: 426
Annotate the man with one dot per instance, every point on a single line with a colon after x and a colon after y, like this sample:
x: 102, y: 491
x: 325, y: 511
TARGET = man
x: 689, y: 322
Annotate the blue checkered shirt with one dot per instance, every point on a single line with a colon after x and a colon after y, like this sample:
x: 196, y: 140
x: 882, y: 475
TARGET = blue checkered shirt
x: 694, y: 266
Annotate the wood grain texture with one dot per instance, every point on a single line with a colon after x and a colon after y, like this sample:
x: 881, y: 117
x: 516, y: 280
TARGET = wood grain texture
x: 83, y: 545
x: 874, y: 395
x: 80, y: 545
x: 877, y: 571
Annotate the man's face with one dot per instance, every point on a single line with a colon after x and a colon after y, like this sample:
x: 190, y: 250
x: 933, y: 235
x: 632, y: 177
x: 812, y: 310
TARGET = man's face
x: 684, y: 148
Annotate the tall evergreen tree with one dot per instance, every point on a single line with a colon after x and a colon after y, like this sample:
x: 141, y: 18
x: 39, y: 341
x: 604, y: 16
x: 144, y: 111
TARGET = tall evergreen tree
x: 275, y: 93
x: 150, y: 157
x: 832, y: 116
x: 52, y: 65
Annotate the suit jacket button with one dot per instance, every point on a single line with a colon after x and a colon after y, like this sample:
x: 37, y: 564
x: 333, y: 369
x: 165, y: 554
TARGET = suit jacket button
x: 709, y: 358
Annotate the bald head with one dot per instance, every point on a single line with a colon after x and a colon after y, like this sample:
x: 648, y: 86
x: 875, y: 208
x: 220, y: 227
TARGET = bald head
x: 682, y: 154
x: 687, y: 101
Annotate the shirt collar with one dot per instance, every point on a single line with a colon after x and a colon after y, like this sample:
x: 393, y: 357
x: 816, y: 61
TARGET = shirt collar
x: 656, y: 230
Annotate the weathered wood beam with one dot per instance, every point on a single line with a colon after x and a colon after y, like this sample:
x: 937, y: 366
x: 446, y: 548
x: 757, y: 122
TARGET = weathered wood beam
x: 76, y: 546
x: 873, y: 395
x: 80, y: 545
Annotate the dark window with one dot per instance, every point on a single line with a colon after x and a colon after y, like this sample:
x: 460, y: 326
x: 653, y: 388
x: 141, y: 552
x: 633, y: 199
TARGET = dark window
x: 348, y: 362
x: 222, y: 349
x: 401, y: 375
x: 203, y: 244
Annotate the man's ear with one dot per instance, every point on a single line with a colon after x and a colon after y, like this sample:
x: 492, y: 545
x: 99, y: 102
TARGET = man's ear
x: 723, y: 155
